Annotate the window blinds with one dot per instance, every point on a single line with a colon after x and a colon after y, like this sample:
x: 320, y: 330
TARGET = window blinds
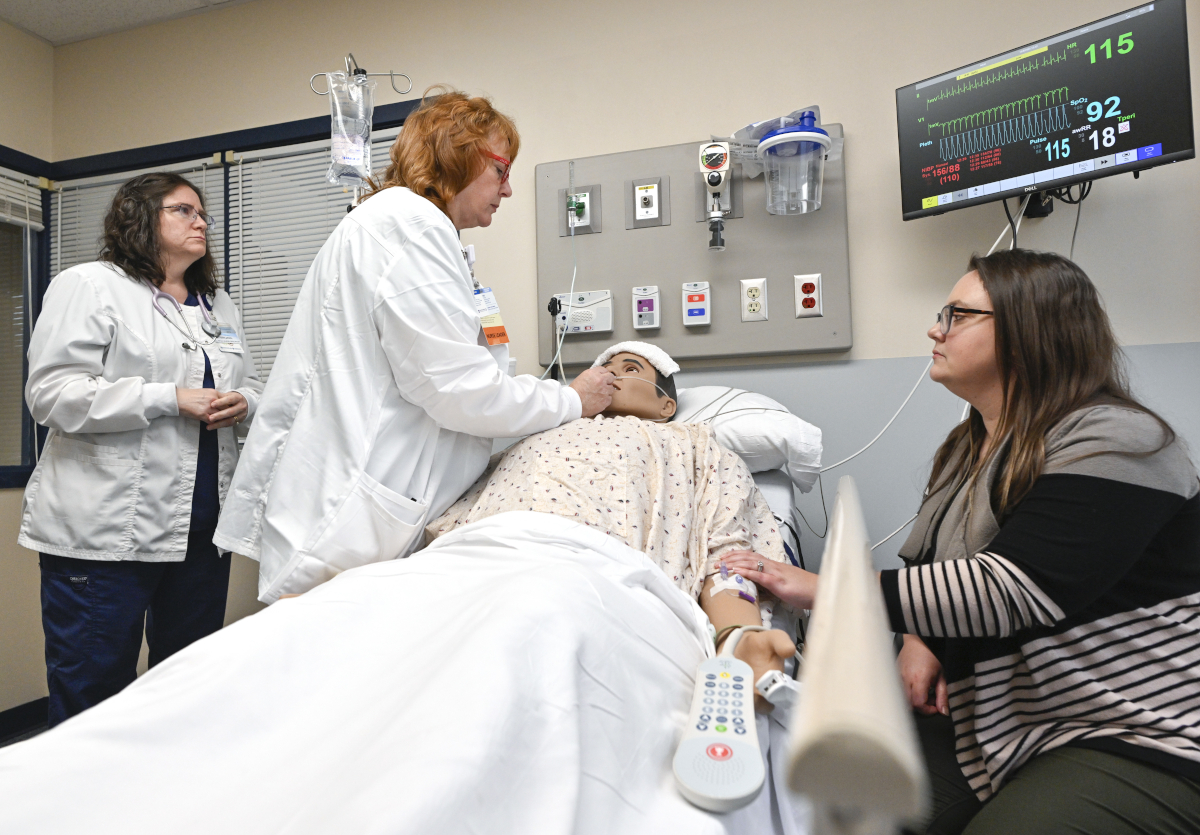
x: 12, y: 342
x: 77, y: 212
x: 20, y: 198
x: 20, y: 217
x: 281, y: 211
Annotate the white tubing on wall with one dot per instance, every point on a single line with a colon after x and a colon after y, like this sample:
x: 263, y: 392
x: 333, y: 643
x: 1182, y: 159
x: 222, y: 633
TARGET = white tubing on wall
x: 854, y: 749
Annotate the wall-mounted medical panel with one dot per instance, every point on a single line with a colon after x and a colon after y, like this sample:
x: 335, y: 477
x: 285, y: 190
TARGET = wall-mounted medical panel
x: 758, y: 245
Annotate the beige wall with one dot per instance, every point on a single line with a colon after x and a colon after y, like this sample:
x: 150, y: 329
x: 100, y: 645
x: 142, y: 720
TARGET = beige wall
x: 22, y: 668
x: 26, y: 106
x: 615, y: 76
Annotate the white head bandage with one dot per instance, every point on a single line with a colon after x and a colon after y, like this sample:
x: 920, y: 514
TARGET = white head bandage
x: 656, y: 356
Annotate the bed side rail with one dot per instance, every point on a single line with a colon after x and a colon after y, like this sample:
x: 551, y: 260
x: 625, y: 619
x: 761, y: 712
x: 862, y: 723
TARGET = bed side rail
x: 853, y: 748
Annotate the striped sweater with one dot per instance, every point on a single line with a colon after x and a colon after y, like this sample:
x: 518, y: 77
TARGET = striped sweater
x: 1075, y: 620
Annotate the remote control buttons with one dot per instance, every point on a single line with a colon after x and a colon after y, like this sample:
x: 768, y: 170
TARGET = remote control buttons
x: 702, y: 727
x: 719, y: 752
x: 739, y: 730
x: 737, y: 678
x: 720, y: 728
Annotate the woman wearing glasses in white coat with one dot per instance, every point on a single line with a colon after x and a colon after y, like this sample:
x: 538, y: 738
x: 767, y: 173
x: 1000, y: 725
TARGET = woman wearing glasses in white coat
x: 388, y: 389
x: 138, y: 368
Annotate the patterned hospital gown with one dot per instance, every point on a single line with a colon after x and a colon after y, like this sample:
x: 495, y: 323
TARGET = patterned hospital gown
x: 666, y: 489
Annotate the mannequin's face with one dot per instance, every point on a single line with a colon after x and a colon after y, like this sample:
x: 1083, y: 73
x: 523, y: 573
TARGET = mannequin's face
x: 635, y: 390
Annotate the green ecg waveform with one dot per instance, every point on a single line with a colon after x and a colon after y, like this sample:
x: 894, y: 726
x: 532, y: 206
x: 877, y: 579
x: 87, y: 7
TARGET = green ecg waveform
x: 1029, y: 104
x: 1015, y: 71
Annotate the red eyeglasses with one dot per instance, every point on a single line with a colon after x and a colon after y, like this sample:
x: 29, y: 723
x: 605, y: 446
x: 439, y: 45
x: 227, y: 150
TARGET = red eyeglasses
x: 507, y: 166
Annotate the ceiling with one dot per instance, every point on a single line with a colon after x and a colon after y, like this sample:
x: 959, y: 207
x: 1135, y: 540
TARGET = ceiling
x: 66, y: 21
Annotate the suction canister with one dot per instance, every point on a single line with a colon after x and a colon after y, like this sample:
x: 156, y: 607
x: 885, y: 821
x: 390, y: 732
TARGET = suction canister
x: 794, y: 160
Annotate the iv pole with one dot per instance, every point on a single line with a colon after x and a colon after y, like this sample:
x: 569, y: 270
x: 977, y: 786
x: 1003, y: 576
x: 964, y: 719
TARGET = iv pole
x: 353, y: 69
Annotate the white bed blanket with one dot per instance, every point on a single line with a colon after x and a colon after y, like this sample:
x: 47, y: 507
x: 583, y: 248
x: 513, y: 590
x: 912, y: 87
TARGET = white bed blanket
x: 523, y: 674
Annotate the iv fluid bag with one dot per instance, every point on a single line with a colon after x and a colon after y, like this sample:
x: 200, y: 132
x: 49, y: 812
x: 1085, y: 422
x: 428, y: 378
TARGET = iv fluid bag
x: 351, y: 102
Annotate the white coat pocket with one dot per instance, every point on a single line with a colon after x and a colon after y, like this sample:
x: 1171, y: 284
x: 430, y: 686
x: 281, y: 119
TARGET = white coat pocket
x: 85, y: 490
x: 375, y: 523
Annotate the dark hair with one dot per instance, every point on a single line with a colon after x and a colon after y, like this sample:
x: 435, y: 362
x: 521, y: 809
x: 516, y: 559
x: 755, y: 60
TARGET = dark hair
x: 439, y: 152
x: 667, y: 384
x: 131, y: 239
x: 1056, y: 352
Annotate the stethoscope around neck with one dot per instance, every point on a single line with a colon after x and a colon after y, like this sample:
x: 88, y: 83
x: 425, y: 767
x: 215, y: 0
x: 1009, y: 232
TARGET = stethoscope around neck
x: 208, y: 325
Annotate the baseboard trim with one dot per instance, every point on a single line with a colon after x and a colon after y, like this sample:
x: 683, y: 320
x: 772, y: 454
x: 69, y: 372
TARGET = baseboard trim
x: 24, y: 718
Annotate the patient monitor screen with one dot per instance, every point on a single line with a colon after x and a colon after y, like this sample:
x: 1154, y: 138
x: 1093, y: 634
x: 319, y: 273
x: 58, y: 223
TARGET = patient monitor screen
x: 1109, y: 97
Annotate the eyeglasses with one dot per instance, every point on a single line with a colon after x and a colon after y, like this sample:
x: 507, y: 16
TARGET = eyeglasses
x: 507, y: 166
x: 945, y: 317
x: 189, y: 213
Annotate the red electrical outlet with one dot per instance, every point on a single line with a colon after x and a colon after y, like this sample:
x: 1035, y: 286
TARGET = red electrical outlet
x: 808, y: 296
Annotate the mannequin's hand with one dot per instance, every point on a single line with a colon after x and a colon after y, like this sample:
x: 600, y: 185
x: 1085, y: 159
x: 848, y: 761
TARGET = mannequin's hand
x: 764, y: 651
x: 595, y: 389
x: 923, y: 678
x: 195, y: 403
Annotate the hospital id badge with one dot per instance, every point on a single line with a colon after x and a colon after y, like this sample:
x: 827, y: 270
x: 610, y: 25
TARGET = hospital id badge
x: 489, y: 316
x: 228, y: 340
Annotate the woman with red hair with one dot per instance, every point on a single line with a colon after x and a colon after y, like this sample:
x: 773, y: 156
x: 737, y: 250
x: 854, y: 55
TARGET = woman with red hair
x: 386, y: 393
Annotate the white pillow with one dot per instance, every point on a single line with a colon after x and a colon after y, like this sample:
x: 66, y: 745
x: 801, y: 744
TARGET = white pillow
x: 758, y: 429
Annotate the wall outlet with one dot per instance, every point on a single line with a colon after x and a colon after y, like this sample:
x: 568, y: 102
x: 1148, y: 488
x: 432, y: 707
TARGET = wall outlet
x: 754, y: 300
x: 808, y: 296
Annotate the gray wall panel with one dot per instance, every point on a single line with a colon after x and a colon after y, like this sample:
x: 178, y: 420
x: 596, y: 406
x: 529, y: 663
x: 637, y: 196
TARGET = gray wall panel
x: 758, y: 245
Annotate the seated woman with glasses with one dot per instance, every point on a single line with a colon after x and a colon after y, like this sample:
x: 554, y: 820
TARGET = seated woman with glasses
x: 1051, y: 604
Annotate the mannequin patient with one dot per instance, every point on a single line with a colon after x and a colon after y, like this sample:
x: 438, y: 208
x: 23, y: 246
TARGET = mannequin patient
x: 666, y: 489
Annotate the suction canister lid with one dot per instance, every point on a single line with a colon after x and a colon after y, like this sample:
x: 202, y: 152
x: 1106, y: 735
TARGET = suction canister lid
x: 794, y: 139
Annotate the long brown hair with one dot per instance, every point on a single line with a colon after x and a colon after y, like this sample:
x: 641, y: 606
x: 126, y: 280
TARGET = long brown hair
x: 439, y: 151
x: 131, y: 239
x: 1056, y: 352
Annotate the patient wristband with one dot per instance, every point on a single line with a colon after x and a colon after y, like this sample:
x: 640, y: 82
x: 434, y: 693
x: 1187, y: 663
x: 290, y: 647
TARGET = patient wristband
x: 736, y: 585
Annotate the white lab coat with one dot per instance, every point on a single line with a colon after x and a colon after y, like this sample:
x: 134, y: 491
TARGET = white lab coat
x: 116, y: 476
x: 382, y: 403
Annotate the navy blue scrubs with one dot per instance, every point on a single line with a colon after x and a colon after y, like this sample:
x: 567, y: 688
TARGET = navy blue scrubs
x: 94, y: 611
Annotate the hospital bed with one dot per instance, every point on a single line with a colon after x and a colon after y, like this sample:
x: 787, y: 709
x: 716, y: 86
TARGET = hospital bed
x: 521, y: 674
